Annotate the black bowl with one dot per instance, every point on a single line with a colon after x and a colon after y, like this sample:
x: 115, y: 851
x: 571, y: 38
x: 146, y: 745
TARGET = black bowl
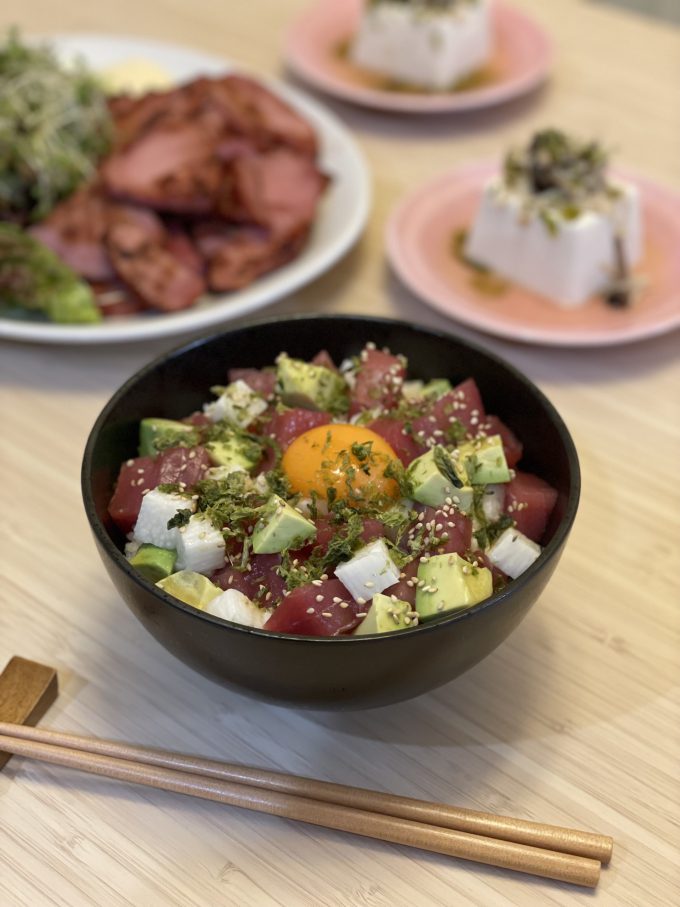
x: 339, y: 672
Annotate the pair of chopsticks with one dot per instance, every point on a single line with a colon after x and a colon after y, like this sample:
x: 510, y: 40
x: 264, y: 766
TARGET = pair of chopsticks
x: 564, y: 854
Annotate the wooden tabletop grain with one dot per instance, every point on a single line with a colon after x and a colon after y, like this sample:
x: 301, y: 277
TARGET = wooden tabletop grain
x: 574, y: 720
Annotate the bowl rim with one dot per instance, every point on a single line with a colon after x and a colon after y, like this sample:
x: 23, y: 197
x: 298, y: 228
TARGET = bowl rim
x: 494, y: 601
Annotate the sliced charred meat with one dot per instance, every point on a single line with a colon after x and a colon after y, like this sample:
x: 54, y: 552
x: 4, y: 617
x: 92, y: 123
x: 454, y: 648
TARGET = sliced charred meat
x: 270, y: 121
x: 172, y: 167
x: 116, y: 299
x: 136, y: 244
x: 278, y: 189
x: 75, y: 232
x: 236, y: 256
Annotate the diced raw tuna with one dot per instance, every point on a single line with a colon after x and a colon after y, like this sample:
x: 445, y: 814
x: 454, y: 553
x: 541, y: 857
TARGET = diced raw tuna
x: 462, y: 404
x: 182, y: 464
x: 301, y: 612
x: 402, y: 442
x: 530, y: 501
x: 403, y: 591
x: 323, y: 357
x: 512, y: 446
x: 262, y: 382
x: 135, y: 477
x: 198, y: 419
x: 378, y: 381
x: 372, y: 529
x: 231, y: 578
x: 264, y: 579
x: 454, y: 524
x: 285, y: 427
x: 498, y: 578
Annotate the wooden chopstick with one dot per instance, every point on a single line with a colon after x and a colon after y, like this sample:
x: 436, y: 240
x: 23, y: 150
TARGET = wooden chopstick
x: 520, y: 831
x: 478, y: 848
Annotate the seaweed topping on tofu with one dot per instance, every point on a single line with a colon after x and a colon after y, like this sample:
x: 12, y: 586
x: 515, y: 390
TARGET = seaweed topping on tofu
x: 307, y: 520
x: 560, y: 176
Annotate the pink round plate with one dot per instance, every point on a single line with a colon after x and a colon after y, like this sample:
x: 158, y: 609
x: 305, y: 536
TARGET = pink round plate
x: 420, y: 237
x: 314, y: 52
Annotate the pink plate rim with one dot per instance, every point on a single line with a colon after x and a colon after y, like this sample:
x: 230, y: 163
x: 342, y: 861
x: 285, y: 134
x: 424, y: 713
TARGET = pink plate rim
x: 302, y: 62
x: 405, y: 259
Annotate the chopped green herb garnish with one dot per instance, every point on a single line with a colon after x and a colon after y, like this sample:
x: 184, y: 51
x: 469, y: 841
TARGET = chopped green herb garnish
x: 181, y: 518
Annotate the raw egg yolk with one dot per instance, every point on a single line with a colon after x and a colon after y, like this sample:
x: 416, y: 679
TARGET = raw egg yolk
x: 347, y: 458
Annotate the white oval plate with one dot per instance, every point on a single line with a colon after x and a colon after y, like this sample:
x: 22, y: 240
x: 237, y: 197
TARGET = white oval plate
x: 341, y: 218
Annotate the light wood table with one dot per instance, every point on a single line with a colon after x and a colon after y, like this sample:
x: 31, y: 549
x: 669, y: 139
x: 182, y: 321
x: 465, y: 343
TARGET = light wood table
x: 574, y: 720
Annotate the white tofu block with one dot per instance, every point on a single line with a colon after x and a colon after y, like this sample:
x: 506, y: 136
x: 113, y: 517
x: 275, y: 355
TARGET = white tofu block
x: 200, y: 547
x: 567, y: 267
x: 239, y: 404
x: 513, y: 552
x: 152, y: 523
x: 370, y: 571
x: 427, y: 48
x: 237, y: 607
x: 492, y: 502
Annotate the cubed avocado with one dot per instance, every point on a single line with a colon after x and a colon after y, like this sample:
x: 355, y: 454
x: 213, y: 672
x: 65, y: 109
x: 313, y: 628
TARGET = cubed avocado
x: 233, y: 450
x: 154, y: 563
x: 157, y: 434
x: 450, y: 583
x: 281, y: 527
x: 386, y: 615
x: 436, y: 476
x: 437, y: 387
x: 420, y: 390
x: 484, y: 460
x: 309, y: 386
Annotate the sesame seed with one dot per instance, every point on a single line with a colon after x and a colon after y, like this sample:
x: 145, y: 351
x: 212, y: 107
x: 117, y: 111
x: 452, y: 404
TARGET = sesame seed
x: 318, y: 598
x: 369, y: 584
x: 361, y: 613
x: 310, y: 610
x: 317, y: 582
x: 326, y: 614
x: 344, y: 604
x: 361, y: 601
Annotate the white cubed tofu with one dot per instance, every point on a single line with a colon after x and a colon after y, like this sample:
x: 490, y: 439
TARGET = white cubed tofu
x: 238, y: 403
x: 568, y: 266
x: 424, y: 47
x: 492, y: 502
x: 513, y: 552
x: 237, y: 607
x: 152, y: 523
x: 369, y: 571
x: 200, y: 547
